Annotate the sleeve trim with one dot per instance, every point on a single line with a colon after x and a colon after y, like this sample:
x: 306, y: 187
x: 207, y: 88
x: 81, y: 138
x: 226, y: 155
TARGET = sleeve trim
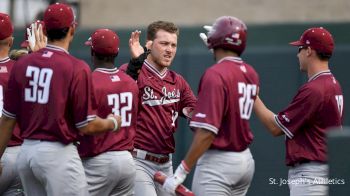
x: 283, y: 128
x: 85, y: 122
x: 205, y: 126
x: 8, y: 114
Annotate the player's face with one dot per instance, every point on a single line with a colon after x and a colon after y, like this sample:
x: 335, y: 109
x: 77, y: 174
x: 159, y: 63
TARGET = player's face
x: 163, y: 48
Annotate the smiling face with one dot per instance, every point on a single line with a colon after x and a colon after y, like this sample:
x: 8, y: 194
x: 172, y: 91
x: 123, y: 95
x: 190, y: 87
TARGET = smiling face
x: 163, y: 49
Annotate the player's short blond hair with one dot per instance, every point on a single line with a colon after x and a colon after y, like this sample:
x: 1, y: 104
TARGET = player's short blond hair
x: 154, y: 27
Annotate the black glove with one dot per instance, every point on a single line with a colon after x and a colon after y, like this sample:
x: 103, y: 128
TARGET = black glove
x: 135, y: 65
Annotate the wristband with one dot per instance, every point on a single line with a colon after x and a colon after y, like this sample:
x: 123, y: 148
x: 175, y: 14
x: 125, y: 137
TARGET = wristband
x: 114, y: 122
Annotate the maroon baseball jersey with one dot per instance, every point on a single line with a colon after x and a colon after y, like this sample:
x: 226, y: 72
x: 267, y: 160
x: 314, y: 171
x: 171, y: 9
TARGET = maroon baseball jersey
x: 116, y: 93
x: 50, y: 94
x: 226, y: 96
x: 163, y: 96
x: 317, y: 106
x: 6, y: 65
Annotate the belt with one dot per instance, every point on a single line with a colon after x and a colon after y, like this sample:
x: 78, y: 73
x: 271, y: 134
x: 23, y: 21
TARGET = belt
x: 160, y: 159
x: 300, y: 163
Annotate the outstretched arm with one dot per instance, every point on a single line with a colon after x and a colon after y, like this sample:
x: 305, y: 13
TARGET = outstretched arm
x: 267, y: 117
x: 138, y: 55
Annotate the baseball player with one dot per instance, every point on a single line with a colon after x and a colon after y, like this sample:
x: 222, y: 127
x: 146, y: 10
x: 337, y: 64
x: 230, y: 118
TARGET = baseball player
x: 226, y: 95
x: 108, y: 164
x: 50, y: 95
x: 317, y: 106
x: 164, y: 96
x: 10, y: 183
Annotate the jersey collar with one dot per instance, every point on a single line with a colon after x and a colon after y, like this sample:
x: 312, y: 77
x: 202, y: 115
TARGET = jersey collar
x: 231, y: 58
x: 4, y: 60
x: 107, y: 70
x: 57, y: 48
x: 315, y: 76
x: 152, y: 69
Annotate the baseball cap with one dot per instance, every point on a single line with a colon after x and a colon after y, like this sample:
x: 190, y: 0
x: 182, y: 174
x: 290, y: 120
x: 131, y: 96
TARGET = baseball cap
x: 104, y: 42
x: 25, y: 43
x: 58, y: 16
x: 6, y: 28
x: 318, y: 39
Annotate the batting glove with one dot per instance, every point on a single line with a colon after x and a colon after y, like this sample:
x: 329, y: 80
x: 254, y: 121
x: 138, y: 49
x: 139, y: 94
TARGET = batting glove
x: 171, y: 183
x: 31, y: 35
x: 204, y: 36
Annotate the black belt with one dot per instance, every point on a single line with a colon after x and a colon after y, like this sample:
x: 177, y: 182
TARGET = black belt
x: 152, y: 158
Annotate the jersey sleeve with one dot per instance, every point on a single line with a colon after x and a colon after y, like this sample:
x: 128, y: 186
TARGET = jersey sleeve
x: 188, y: 100
x: 210, y: 106
x: 83, y: 98
x: 12, y: 96
x: 299, y: 111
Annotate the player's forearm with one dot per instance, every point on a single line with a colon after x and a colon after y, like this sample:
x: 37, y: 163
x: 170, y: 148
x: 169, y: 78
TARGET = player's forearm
x: 6, y: 128
x: 99, y: 125
x: 267, y: 117
x: 201, y: 142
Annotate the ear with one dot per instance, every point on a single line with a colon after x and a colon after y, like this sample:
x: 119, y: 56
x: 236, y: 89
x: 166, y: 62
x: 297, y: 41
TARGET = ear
x: 10, y: 43
x: 149, y: 44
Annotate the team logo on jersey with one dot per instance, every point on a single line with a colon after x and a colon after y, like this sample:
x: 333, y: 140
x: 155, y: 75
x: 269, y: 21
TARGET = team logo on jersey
x: 167, y: 97
x: 3, y: 69
x: 285, y: 118
x: 242, y: 67
x: 115, y: 78
x: 200, y: 115
x: 47, y: 54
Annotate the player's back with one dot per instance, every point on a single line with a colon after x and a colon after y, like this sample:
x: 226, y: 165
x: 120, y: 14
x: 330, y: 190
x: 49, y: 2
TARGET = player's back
x: 115, y: 93
x: 47, y: 83
x: 240, y: 83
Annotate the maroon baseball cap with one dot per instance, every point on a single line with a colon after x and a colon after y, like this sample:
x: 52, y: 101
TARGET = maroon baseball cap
x: 318, y: 39
x: 104, y: 42
x: 6, y: 28
x: 25, y: 43
x: 58, y: 16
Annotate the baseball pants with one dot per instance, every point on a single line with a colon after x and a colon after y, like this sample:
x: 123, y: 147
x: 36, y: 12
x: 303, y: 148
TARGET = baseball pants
x: 223, y: 173
x: 308, y: 179
x: 110, y: 173
x: 51, y: 168
x: 144, y: 183
x: 10, y: 183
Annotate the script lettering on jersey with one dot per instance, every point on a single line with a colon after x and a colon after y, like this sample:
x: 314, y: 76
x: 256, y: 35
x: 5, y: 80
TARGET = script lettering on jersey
x: 167, y: 96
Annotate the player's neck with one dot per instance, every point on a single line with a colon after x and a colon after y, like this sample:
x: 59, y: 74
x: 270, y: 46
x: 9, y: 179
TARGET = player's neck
x: 317, y: 67
x: 60, y: 43
x: 159, y: 68
x: 4, y: 53
x: 104, y: 65
x: 220, y: 54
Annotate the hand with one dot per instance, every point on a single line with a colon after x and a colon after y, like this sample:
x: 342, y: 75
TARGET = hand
x: 134, y: 44
x: 171, y: 183
x: 36, y: 37
x: 117, y: 120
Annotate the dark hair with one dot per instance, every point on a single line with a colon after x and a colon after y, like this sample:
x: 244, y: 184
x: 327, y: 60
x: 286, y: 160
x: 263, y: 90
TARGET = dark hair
x: 323, y: 56
x: 154, y: 27
x: 57, y: 34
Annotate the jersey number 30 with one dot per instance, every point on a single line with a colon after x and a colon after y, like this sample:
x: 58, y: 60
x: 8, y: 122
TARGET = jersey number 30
x: 115, y: 100
x: 246, y: 91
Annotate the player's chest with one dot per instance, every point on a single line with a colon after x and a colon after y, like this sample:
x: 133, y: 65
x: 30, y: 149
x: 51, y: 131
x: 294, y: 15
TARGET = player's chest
x: 160, y: 93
